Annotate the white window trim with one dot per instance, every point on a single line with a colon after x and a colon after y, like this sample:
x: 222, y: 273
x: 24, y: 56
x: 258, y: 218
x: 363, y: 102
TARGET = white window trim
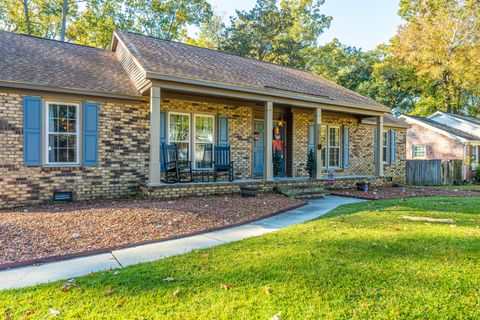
x: 194, y: 125
x: 424, y: 151
x: 189, y: 131
x: 340, y: 147
x: 387, y: 147
x: 47, y: 133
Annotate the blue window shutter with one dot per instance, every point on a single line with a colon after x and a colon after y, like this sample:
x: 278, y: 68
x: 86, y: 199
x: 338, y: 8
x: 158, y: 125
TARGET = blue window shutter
x: 311, y: 141
x: 346, y: 146
x: 222, y: 130
x: 163, y: 136
x: 90, y: 134
x: 32, y: 131
x: 375, y: 142
x: 393, y: 146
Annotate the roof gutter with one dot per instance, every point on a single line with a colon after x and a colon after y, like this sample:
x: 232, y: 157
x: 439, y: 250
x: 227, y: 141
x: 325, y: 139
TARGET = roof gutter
x: 29, y: 86
x: 387, y: 124
x: 265, y: 92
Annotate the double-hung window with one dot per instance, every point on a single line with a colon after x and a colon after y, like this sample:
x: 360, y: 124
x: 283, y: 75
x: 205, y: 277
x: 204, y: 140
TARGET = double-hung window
x: 386, y: 144
x: 419, y: 151
x: 334, y: 147
x: 62, y: 133
x: 179, y: 133
x: 204, y: 138
x: 323, y: 142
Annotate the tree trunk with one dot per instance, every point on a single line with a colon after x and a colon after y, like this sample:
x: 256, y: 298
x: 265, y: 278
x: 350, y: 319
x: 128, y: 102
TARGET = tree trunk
x: 27, y: 19
x: 64, y: 20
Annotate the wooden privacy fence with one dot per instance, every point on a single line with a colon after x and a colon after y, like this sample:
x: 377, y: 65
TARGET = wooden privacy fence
x: 434, y: 172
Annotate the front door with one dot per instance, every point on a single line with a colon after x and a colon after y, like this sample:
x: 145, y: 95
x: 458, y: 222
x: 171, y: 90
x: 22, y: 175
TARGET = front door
x: 258, y: 147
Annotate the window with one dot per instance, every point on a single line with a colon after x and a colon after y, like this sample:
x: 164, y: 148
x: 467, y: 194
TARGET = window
x: 179, y: 133
x: 386, y: 144
x: 333, y: 147
x: 204, y: 135
x: 473, y: 154
x: 323, y: 143
x: 419, y: 151
x: 62, y: 133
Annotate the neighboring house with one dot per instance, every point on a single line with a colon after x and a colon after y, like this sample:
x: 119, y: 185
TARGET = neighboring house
x: 93, y: 121
x: 444, y: 136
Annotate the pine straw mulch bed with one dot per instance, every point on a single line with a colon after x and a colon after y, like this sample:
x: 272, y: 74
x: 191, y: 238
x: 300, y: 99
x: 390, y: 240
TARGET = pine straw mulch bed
x: 403, y: 192
x: 49, y: 232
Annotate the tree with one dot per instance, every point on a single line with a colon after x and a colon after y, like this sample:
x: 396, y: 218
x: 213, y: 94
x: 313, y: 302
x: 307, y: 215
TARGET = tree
x: 44, y: 17
x: 27, y: 18
x: 211, y: 33
x: 95, y: 25
x: 441, y: 42
x: 276, y: 33
x: 166, y: 19
x: 64, y: 20
x: 345, y: 65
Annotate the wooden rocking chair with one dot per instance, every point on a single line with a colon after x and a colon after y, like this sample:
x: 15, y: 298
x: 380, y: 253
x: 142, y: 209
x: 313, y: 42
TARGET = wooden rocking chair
x: 222, y: 162
x: 174, y: 168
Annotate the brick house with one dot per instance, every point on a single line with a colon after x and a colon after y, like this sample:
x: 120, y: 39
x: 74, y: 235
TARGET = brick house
x: 444, y: 136
x: 93, y: 121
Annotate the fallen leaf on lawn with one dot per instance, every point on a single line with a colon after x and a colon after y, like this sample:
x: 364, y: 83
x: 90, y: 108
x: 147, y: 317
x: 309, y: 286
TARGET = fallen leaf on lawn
x: 54, y: 312
x: 68, y: 285
x: 90, y: 275
x: 364, y: 305
x: 276, y: 317
x: 120, y: 302
x: 28, y: 313
x: 108, y: 292
x: 6, y: 314
x: 169, y: 279
x: 226, y: 286
x: 176, y: 293
x: 205, y: 255
x: 397, y: 229
x: 266, y: 290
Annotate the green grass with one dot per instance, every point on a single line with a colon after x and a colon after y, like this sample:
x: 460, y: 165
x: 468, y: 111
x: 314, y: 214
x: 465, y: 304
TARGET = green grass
x: 363, y: 261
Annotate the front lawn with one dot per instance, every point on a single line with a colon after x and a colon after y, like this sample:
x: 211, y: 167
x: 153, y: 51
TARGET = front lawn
x: 364, y: 261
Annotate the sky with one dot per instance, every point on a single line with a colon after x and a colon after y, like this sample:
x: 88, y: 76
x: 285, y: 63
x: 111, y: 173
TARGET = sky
x: 360, y: 23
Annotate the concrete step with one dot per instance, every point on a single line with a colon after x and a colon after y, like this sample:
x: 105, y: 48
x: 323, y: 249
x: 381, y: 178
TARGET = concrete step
x: 312, y: 191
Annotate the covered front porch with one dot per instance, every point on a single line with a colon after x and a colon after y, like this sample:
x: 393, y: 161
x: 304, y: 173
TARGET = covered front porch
x: 268, y: 138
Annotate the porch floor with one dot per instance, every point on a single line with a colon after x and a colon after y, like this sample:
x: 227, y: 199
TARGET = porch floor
x: 261, y: 180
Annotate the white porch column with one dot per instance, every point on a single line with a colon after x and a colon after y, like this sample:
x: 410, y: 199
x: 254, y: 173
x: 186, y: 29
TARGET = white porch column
x: 379, y: 146
x: 268, y: 159
x: 154, y: 165
x: 317, y: 150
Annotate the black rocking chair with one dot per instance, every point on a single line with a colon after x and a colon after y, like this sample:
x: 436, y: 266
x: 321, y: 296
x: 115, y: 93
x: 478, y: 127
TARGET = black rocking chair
x: 222, y: 162
x: 174, y: 168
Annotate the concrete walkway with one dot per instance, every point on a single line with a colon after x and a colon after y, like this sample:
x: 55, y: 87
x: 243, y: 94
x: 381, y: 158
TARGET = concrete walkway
x: 32, y: 275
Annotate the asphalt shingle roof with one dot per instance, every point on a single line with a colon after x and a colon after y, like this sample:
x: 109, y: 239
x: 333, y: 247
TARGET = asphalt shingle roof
x: 180, y: 60
x: 466, y: 118
x: 448, y: 129
x: 43, y: 62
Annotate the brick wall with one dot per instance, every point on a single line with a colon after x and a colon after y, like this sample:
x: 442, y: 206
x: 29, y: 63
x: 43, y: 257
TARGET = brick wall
x: 240, y: 128
x: 438, y: 146
x: 124, y: 150
x: 123, y: 157
x: 361, y: 147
